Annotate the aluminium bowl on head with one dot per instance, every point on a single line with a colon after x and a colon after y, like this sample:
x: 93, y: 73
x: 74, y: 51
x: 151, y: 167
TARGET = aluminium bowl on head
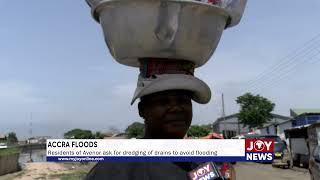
x: 173, y: 29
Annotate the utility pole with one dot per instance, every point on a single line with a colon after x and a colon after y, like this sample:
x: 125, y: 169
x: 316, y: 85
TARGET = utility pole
x: 30, y: 131
x: 224, y: 118
x: 238, y: 127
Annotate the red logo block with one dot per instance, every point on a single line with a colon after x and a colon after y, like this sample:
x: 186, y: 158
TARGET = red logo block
x: 259, y: 145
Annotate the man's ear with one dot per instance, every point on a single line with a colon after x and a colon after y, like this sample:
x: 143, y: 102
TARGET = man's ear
x: 141, y: 109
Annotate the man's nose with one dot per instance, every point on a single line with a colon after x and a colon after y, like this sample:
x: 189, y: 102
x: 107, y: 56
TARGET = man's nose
x: 174, y: 106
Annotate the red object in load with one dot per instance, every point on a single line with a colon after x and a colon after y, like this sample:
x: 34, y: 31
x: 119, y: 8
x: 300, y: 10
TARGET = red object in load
x: 225, y: 170
x: 213, y: 1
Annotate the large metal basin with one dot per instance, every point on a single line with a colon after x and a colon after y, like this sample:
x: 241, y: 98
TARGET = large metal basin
x: 178, y: 29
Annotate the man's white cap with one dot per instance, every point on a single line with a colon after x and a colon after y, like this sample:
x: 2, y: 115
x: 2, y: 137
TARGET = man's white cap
x: 156, y: 83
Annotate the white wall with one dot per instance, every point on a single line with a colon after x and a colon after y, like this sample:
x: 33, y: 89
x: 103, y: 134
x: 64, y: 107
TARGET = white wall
x: 232, y: 125
x: 272, y: 129
x: 282, y: 127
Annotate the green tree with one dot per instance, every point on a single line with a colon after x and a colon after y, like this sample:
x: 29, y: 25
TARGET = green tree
x: 12, y: 138
x: 79, y: 134
x: 199, y: 130
x: 255, y: 110
x: 135, y: 130
x: 98, y: 135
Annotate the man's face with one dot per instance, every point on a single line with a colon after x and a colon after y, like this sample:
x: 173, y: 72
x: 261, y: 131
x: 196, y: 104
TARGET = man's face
x: 167, y: 114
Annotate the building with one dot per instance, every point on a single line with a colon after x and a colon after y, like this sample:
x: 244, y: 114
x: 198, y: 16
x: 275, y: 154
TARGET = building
x: 116, y: 136
x: 299, y: 117
x: 230, y: 125
x: 305, y: 116
x: 38, y: 140
x: 276, y: 128
x: 3, y: 141
x: 2, y: 137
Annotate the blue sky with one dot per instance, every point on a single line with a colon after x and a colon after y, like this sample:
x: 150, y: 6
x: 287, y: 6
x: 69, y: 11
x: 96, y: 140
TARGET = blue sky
x: 55, y: 64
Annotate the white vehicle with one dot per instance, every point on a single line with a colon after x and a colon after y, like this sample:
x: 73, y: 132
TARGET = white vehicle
x: 3, y: 145
x: 238, y: 137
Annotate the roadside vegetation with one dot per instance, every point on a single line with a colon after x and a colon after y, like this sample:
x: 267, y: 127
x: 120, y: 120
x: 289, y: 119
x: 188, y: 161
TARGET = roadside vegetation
x: 9, y: 151
x: 75, y: 171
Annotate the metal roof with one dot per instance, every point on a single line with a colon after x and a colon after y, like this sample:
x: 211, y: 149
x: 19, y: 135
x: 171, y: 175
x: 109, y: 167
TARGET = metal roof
x: 285, y: 118
x: 298, y: 112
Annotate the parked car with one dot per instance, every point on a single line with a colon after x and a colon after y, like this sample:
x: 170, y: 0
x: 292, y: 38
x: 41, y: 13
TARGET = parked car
x: 276, y: 138
x: 283, y: 159
x: 238, y: 137
x: 282, y: 155
x: 3, y: 145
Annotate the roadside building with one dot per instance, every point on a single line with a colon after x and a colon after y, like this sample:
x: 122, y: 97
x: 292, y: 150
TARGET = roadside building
x: 276, y: 128
x: 107, y: 135
x: 38, y: 140
x: 305, y: 116
x: 22, y: 142
x: 299, y: 117
x: 230, y: 125
x: 3, y: 141
x: 2, y: 137
x: 116, y: 136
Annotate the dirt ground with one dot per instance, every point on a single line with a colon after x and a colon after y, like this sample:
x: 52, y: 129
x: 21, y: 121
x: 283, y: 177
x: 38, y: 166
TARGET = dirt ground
x: 73, y: 171
x: 252, y: 171
x: 46, y: 170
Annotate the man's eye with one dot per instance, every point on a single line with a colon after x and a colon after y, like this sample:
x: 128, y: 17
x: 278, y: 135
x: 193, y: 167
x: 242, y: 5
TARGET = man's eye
x: 161, y: 101
x: 183, y: 99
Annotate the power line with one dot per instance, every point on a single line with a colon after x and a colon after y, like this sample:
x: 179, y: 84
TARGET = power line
x: 288, y: 70
x: 277, y: 83
x: 305, y: 45
x: 287, y: 65
x: 286, y: 76
x: 283, y: 63
x: 285, y: 72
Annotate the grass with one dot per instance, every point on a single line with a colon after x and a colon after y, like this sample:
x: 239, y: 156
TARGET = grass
x: 9, y: 151
x: 79, y: 166
x: 76, y: 171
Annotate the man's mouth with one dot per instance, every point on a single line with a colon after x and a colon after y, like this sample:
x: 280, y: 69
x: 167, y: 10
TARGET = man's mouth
x: 174, y: 117
x: 175, y: 121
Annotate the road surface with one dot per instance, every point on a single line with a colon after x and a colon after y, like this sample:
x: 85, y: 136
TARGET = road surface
x: 253, y: 171
x: 244, y: 171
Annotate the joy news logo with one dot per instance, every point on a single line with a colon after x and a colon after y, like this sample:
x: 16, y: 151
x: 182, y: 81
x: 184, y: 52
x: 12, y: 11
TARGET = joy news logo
x: 204, y: 172
x: 259, y: 150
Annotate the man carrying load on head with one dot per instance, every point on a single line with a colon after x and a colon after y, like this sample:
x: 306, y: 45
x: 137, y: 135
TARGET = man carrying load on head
x: 182, y: 35
x: 165, y: 89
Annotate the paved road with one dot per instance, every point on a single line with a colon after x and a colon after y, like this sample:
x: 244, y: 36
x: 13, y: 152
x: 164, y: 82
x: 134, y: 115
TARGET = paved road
x: 253, y: 171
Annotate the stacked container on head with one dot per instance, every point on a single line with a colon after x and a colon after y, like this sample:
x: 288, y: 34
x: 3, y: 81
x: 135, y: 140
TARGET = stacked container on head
x: 167, y: 35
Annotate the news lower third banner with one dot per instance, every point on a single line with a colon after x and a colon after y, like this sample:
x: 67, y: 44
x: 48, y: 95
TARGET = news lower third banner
x: 203, y: 150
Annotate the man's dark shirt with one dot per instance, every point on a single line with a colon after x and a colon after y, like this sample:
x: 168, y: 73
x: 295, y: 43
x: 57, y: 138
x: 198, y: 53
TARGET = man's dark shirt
x: 141, y: 170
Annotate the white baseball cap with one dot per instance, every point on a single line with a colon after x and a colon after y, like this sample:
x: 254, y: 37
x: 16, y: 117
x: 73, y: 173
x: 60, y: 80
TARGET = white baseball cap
x: 156, y: 83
